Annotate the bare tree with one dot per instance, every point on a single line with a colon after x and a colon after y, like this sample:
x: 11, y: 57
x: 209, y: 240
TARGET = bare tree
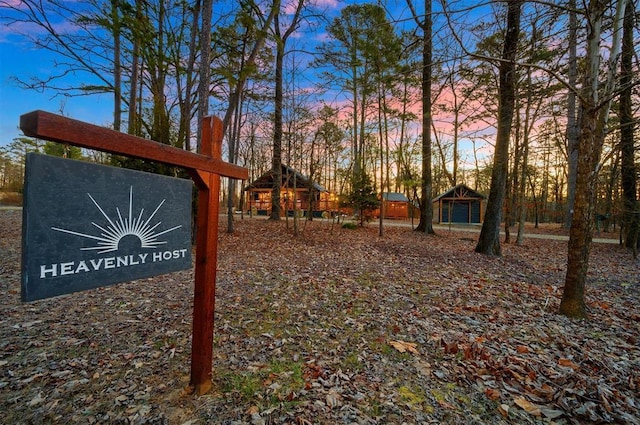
x: 595, y: 102
x: 186, y: 90
x: 631, y: 215
x: 205, y: 65
x: 133, y: 124
x: 489, y: 241
x: 572, y: 128
x: 281, y: 38
x: 426, y: 207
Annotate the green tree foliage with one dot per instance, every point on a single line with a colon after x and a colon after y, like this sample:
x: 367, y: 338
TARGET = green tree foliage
x: 13, y: 161
x: 64, y: 151
x: 10, y: 173
x: 363, y: 197
x: 325, y: 145
x: 363, y: 51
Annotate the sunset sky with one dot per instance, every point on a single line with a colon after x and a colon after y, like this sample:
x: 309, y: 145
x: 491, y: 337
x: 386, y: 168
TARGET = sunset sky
x: 18, y: 57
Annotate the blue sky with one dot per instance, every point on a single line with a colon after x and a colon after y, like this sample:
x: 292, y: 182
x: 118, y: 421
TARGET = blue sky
x: 15, y: 101
x: 19, y: 57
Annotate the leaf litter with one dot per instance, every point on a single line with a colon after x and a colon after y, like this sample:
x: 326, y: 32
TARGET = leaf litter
x: 332, y: 326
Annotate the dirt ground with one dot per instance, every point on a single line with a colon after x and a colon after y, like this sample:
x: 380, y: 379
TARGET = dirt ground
x: 332, y: 326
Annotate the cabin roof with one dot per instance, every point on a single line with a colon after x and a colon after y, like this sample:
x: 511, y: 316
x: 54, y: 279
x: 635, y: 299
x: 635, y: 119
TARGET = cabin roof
x: 460, y: 191
x: 394, y: 197
x: 265, y: 181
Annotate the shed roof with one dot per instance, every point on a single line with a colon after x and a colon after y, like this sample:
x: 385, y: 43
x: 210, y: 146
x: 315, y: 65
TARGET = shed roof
x: 394, y: 197
x: 459, y: 192
x: 265, y: 181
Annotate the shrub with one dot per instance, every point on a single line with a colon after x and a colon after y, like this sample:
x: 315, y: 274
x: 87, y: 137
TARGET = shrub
x: 10, y: 198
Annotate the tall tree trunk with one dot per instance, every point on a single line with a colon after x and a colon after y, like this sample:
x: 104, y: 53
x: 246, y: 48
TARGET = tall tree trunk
x: 233, y: 142
x: 511, y: 188
x: 186, y: 104
x: 205, y: 66
x: 603, y: 216
x: 426, y: 206
x: 133, y: 120
x: 403, y: 168
x: 387, y: 170
x: 544, y: 196
x: 383, y: 131
x: 629, y: 184
x: 361, y: 163
x: 355, y: 171
x: 524, y: 159
x: 160, y: 126
x: 456, y: 136
x: 313, y: 178
x: 522, y: 193
x: 204, y: 70
x: 580, y: 235
x: 489, y: 241
x: 592, y: 133
x: 476, y: 163
x: 117, y: 67
x: 276, y: 162
x: 382, y: 167
x: 572, y: 126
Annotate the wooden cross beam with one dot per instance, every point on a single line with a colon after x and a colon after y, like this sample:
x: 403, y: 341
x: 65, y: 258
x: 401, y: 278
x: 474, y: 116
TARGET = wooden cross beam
x: 204, y: 168
x: 61, y: 129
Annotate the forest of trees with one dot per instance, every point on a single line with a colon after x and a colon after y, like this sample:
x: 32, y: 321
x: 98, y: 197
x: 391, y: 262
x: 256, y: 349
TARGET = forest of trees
x: 532, y: 103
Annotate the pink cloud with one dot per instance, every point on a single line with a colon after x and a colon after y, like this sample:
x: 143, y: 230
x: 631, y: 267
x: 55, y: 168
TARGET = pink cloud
x: 332, y: 4
x: 17, y: 29
x: 30, y: 29
x: 11, y: 4
x: 291, y: 6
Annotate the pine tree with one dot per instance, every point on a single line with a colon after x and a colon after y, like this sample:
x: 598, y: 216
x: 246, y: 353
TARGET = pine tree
x: 362, y: 197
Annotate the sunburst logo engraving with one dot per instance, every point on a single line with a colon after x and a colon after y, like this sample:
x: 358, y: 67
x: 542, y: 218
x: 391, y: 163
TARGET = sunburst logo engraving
x: 109, y: 235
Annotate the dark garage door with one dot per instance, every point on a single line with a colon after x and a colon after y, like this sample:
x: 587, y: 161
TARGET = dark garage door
x: 460, y: 212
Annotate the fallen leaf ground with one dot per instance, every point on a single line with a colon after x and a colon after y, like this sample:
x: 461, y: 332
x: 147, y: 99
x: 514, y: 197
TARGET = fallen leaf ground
x: 333, y: 326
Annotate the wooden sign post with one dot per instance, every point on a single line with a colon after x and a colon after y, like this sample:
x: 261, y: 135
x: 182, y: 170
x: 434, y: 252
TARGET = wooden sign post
x: 204, y: 168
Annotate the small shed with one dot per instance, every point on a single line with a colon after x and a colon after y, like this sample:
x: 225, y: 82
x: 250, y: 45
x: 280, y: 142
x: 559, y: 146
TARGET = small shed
x: 460, y: 204
x: 397, y: 206
x: 294, y: 187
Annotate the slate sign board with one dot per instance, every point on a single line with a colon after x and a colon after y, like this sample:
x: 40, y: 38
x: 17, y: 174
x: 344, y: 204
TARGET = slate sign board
x: 87, y: 225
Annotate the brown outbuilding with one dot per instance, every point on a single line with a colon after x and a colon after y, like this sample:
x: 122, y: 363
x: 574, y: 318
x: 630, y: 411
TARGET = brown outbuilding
x: 396, y: 205
x: 460, y: 204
